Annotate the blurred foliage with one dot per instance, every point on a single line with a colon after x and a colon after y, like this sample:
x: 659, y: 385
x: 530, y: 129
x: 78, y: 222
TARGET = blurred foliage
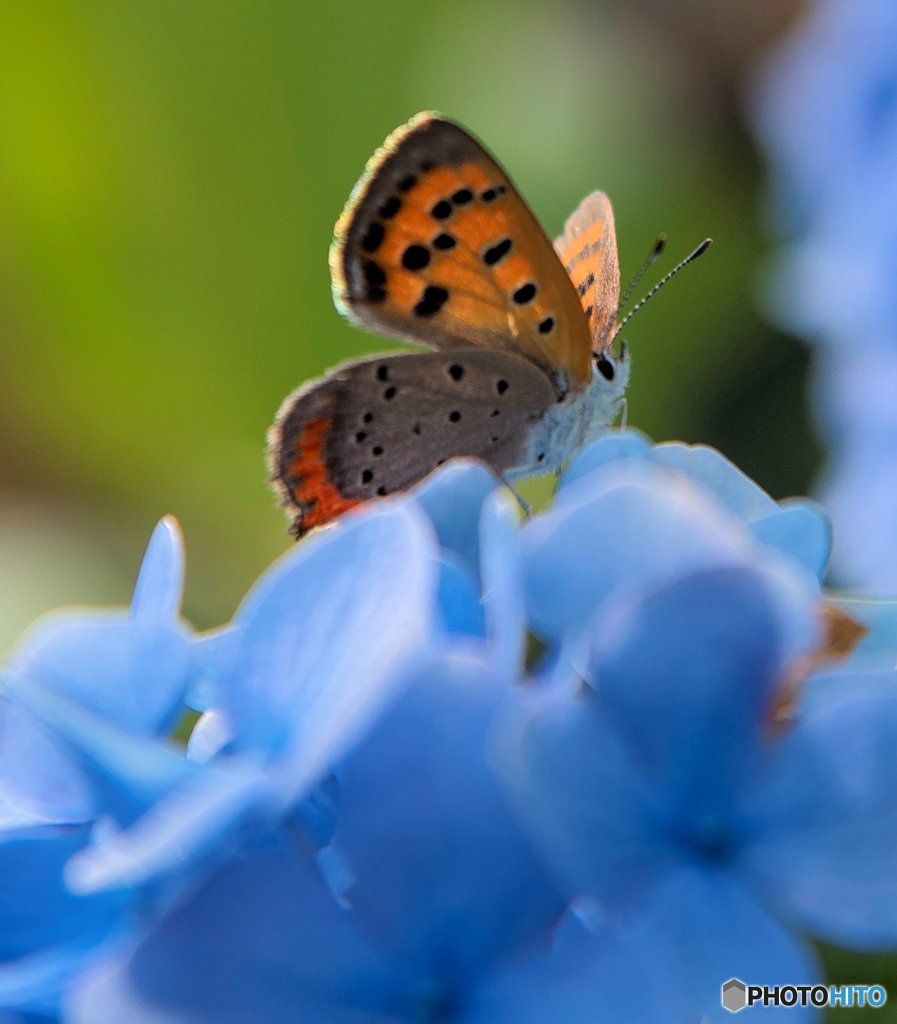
x: 169, y: 177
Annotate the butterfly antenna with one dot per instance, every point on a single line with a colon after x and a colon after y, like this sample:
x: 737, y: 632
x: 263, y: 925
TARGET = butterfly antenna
x: 701, y: 249
x: 655, y: 252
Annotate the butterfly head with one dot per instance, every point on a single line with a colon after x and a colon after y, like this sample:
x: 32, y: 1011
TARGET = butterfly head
x: 608, y: 365
x: 610, y: 375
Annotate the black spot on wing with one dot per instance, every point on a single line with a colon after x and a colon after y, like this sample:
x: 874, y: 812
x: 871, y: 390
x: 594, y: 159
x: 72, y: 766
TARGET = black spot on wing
x: 496, y: 252
x: 441, y: 210
x: 375, y: 281
x: 371, y: 239
x: 432, y: 300
x: 415, y: 257
x: 390, y: 207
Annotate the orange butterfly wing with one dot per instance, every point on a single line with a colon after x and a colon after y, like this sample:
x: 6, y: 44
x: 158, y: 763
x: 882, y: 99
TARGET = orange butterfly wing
x: 588, y: 250
x: 436, y: 246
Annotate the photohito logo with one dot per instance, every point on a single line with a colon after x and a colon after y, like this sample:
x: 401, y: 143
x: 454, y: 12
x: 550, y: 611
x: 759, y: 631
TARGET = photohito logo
x: 736, y: 995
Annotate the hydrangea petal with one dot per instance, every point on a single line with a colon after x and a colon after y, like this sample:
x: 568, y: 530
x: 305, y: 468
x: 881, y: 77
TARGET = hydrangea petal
x: 160, y: 584
x: 602, y: 827
x: 180, y: 834
x: 30, y: 986
x: 452, y: 497
x: 36, y: 772
x: 210, y: 737
x: 318, y: 654
x: 715, y: 473
x: 502, y: 578
x: 213, y: 654
x: 635, y: 524
x: 590, y: 979
x: 459, y: 603
x: 45, y: 930
x: 39, y: 911
x: 824, y: 815
x: 132, y: 672
x: 611, y: 447
x: 444, y: 877
x: 126, y: 773
x: 688, y: 676
x: 13, y: 815
x: 709, y: 929
x: 261, y: 940
x: 577, y: 789
x: 799, y: 529
x: 709, y: 469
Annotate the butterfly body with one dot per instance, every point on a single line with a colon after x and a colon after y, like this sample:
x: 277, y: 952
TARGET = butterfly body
x: 581, y: 417
x: 437, y: 247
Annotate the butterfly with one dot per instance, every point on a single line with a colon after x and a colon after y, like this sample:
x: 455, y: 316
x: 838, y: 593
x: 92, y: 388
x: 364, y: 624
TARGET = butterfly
x: 437, y: 247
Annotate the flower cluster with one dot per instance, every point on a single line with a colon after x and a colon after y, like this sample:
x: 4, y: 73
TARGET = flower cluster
x: 827, y: 115
x: 448, y: 767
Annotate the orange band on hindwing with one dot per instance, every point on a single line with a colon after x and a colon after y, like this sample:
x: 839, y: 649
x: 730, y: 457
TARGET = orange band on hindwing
x: 318, y: 497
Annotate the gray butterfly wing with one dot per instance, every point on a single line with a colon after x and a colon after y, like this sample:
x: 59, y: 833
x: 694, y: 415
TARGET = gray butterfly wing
x: 376, y: 426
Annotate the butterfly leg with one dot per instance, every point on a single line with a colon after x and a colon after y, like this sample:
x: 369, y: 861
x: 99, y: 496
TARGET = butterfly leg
x: 624, y: 408
x: 558, y: 473
x: 521, y: 501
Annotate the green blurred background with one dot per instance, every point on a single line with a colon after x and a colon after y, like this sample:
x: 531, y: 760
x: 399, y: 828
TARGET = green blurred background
x: 169, y: 177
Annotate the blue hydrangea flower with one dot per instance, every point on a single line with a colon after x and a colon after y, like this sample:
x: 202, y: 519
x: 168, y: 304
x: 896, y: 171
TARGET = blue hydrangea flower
x: 480, y: 584
x: 381, y: 817
x: 95, y: 659
x: 670, y: 791
x: 429, y: 896
x: 437, y: 906
x: 826, y: 109
x: 305, y: 661
x: 424, y: 858
x: 796, y: 526
x: 95, y: 662
x: 630, y: 515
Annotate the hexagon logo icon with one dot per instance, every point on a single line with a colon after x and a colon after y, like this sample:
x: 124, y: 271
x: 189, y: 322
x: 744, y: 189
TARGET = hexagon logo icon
x: 734, y: 995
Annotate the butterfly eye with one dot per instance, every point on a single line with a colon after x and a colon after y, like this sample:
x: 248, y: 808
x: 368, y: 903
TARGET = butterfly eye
x: 605, y: 367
